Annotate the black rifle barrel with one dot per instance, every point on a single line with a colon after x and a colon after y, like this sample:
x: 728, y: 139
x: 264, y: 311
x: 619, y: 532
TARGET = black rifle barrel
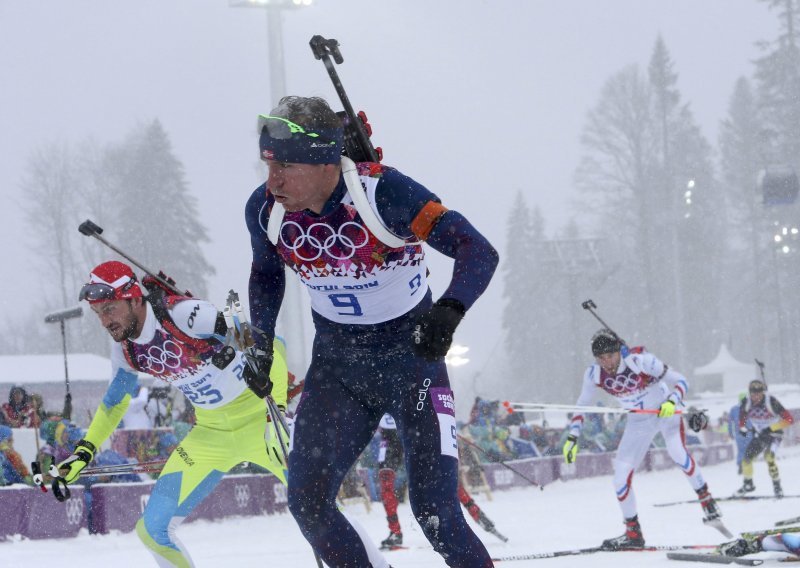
x: 89, y: 229
x: 324, y: 49
x: 590, y: 306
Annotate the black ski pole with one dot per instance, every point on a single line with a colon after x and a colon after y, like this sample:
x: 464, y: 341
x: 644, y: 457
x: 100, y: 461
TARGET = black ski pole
x: 90, y: 229
x: 501, y: 462
x: 590, y: 306
x: 235, y: 317
x: 358, y: 146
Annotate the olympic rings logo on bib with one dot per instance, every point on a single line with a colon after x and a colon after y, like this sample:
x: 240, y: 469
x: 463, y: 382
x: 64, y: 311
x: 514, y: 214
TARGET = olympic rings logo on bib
x: 160, y: 358
x: 622, y: 383
x: 309, y: 244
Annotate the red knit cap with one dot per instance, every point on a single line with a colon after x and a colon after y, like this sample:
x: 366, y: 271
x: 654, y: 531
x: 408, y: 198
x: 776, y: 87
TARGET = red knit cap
x: 112, y: 280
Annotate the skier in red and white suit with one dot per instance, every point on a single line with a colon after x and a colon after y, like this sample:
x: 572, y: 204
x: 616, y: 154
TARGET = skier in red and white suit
x: 639, y: 380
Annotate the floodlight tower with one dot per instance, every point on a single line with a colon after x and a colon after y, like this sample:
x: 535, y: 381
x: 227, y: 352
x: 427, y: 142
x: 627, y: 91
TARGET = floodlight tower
x: 291, y: 315
x: 274, y: 9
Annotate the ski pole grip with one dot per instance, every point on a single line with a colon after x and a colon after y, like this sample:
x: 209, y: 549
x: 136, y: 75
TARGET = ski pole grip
x: 38, y: 478
x: 58, y: 483
x: 90, y: 229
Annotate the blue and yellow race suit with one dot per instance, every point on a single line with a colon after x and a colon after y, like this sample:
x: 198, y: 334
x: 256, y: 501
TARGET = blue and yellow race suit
x: 231, y: 423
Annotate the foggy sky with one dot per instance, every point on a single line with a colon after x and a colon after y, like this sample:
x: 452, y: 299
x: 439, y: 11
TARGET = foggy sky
x: 474, y: 99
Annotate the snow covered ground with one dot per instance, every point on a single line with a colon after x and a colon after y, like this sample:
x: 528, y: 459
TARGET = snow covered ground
x: 567, y: 515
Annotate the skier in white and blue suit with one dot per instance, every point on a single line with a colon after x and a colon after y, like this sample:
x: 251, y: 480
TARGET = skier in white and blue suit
x: 353, y: 235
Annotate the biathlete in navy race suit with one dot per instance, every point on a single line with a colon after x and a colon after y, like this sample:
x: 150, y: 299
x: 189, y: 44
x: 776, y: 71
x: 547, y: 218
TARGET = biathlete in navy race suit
x: 639, y: 380
x: 353, y: 235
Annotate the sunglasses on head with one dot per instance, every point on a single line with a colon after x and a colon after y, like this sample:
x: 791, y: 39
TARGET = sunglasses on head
x: 281, y: 128
x: 96, y: 291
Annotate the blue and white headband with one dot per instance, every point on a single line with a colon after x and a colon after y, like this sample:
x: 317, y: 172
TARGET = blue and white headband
x: 284, y: 141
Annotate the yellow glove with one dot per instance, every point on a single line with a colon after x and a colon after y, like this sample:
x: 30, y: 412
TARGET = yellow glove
x: 779, y: 425
x: 570, y: 449
x: 667, y: 409
x: 81, y: 456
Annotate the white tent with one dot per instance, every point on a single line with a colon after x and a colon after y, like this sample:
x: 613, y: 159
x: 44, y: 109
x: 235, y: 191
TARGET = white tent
x: 735, y: 374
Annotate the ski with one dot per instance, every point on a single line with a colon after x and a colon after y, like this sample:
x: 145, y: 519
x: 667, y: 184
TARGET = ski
x: 731, y: 498
x: 393, y: 548
x: 240, y: 331
x: 717, y: 524
x: 486, y: 524
x: 556, y: 554
x: 713, y: 558
x: 788, y: 522
x: 757, y: 497
x: 595, y: 549
x: 498, y: 534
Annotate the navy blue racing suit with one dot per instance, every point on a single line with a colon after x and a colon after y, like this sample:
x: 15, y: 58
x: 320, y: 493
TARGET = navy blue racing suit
x: 365, y: 297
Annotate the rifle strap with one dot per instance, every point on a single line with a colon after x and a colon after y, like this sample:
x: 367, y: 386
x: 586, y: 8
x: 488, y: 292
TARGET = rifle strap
x: 362, y: 205
x: 360, y: 202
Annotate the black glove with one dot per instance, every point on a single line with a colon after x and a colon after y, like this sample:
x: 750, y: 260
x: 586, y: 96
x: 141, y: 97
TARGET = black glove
x: 698, y: 420
x: 433, y: 332
x: 767, y: 436
x: 258, y: 379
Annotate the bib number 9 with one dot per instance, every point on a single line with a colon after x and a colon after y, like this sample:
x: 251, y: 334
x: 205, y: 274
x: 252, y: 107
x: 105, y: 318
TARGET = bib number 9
x: 347, y: 302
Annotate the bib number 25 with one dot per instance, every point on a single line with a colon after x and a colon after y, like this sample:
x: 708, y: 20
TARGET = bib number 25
x: 204, y: 395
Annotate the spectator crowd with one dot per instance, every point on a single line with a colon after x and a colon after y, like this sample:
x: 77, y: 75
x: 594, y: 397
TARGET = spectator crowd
x: 153, y: 428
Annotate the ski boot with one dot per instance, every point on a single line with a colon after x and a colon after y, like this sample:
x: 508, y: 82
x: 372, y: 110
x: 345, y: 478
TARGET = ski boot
x: 747, y: 487
x: 631, y: 539
x: 776, y: 486
x: 711, y: 510
x: 394, y: 540
x: 740, y: 547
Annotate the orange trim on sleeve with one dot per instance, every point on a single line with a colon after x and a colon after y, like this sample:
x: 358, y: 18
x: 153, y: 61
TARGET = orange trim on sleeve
x: 426, y: 219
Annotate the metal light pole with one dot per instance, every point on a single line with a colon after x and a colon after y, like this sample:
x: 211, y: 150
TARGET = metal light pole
x: 60, y: 318
x: 291, y: 317
x: 677, y: 281
x: 786, y: 245
x: 277, y: 73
